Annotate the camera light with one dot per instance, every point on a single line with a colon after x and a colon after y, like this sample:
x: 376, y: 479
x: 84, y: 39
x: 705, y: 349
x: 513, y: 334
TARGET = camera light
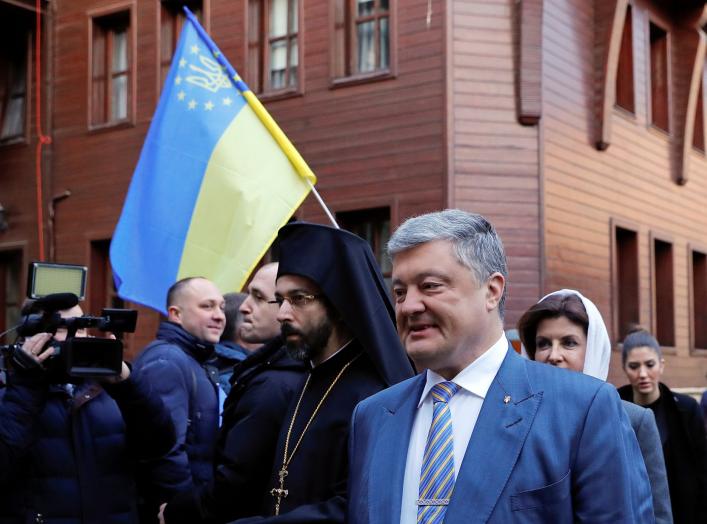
x: 45, y: 279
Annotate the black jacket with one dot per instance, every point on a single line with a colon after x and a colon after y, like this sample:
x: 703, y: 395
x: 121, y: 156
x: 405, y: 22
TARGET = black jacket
x: 685, y: 453
x: 262, y: 388
x: 70, y: 456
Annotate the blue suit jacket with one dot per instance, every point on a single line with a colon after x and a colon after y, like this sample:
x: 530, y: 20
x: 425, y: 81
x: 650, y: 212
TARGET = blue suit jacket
x: 561, y: 450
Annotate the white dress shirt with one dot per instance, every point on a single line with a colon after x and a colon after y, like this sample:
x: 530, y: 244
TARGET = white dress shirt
x: 474, y: 381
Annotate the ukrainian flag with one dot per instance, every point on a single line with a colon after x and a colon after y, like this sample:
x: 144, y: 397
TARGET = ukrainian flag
x: 215, y: 181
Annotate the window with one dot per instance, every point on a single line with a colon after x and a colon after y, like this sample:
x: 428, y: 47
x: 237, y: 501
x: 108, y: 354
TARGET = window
x: 624, y: 71
x: 664, y: 307
x: 102, y: 293
x: 172, y: 19
x: 699, y: 299
x: 627, y: 303
x: 101, y: 286
x: 10, y: 291
x: 698, y: 130
x: 361, y: 37
x: 110, y: 69
x: 659, y: 77
x: 372, y: 225
x: 15, y: 47
x: 273, y: 46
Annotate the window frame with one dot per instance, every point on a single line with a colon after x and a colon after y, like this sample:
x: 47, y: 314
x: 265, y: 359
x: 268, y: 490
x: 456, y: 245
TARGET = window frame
x: 628, y: 19
x: 206, y: 23
x: 100, y: 289
x: 100, y: 294
x: 265, y: 92
x: 614, y: 225
x: 666, y: 239
x: 700, y: 148
x: 92, y: 19
x: 24, y: 137
x: 375, y: 209
x: 651, y: 18
x: 349, y: 76
x: 693, y: 248
x: 8, y: 250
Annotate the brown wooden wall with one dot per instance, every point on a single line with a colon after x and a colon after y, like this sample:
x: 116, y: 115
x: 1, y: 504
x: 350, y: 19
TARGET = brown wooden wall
x: 451, y: 108
x: 371, y: 145
x: 376, y: 144
x: 585, y: 189
x: 17, y: 172
x: 493, y: 160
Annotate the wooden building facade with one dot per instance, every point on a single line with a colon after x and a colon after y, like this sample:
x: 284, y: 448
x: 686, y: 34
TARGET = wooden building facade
x: 576, y: 126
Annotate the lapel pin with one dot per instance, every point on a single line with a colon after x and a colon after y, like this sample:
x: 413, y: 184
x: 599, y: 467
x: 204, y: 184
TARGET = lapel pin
x: 506, y: 399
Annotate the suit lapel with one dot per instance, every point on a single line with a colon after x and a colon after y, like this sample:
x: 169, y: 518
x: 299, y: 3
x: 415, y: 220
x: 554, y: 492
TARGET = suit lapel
x: 496, y: 442
x: 387, y: 471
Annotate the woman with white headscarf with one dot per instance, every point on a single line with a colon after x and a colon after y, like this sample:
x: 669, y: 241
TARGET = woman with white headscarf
x: 565, y: 329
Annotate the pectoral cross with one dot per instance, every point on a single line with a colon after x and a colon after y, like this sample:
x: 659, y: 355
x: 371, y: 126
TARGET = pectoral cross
x: 280, y: 493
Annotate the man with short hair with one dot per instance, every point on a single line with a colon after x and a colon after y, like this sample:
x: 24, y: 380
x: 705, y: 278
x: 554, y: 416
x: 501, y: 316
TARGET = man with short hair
x: 484, y: 435
x: 262, y: 387
x: 179, y: 366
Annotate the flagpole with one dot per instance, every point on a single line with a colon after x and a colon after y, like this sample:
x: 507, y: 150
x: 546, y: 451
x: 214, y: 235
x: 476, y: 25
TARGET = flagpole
x: 321, y: 203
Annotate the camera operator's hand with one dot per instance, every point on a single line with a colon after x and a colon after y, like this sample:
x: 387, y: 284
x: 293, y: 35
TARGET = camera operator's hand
x: 35, y: 348
x: 124, y: 375
x: 124, y: 370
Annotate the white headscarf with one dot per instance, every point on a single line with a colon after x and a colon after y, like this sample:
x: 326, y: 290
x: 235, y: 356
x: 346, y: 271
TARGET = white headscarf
x: 596, y: 359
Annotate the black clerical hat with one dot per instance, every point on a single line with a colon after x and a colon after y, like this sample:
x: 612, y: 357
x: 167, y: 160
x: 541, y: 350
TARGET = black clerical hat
x: 344, y: 267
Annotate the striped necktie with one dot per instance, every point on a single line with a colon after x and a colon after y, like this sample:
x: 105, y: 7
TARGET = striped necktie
x: 437, y: 477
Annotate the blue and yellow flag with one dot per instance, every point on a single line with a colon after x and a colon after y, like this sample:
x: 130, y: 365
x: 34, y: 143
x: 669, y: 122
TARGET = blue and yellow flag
x: 215, y: 181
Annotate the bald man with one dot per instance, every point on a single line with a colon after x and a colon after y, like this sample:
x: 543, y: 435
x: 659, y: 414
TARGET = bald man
x: 263, y: 385
x: 179, y: 366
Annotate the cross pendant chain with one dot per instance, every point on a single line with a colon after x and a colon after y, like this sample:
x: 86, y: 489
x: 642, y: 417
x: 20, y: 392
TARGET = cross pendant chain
x: 280, y: 493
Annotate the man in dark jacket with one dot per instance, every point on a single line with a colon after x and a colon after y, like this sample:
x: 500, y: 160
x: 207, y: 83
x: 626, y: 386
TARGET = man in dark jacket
x: 179, y: 367
x: 68, y: 452
x: 263, y: 385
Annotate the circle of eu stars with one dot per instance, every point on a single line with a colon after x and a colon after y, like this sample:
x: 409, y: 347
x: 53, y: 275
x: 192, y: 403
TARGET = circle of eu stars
x: 207, y: 74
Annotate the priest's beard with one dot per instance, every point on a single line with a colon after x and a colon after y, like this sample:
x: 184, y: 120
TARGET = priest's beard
x: 310, y: 344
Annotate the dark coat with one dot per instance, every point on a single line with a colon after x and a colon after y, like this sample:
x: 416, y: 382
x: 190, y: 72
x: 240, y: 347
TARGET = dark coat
x: 71, y: 458
x: 263, y: 386
x: 318, y: 472
x: 685, y: 455
x: 178, y: 367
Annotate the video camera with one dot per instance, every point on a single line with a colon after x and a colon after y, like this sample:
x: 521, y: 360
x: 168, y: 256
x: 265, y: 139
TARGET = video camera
x: 57, y: 287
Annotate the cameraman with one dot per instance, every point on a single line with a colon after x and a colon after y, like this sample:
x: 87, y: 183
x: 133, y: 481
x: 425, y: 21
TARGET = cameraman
x: 68, y: 452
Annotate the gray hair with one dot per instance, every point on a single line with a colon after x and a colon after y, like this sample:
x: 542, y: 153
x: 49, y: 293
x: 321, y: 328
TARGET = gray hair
x: 474, y: 240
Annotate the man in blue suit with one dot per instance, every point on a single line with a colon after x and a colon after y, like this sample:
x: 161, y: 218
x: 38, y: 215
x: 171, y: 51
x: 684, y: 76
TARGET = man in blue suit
x: 483, y: 435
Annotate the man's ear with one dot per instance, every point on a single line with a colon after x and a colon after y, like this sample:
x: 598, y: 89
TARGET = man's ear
x: 495, y: 285
x: 174, y: 314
